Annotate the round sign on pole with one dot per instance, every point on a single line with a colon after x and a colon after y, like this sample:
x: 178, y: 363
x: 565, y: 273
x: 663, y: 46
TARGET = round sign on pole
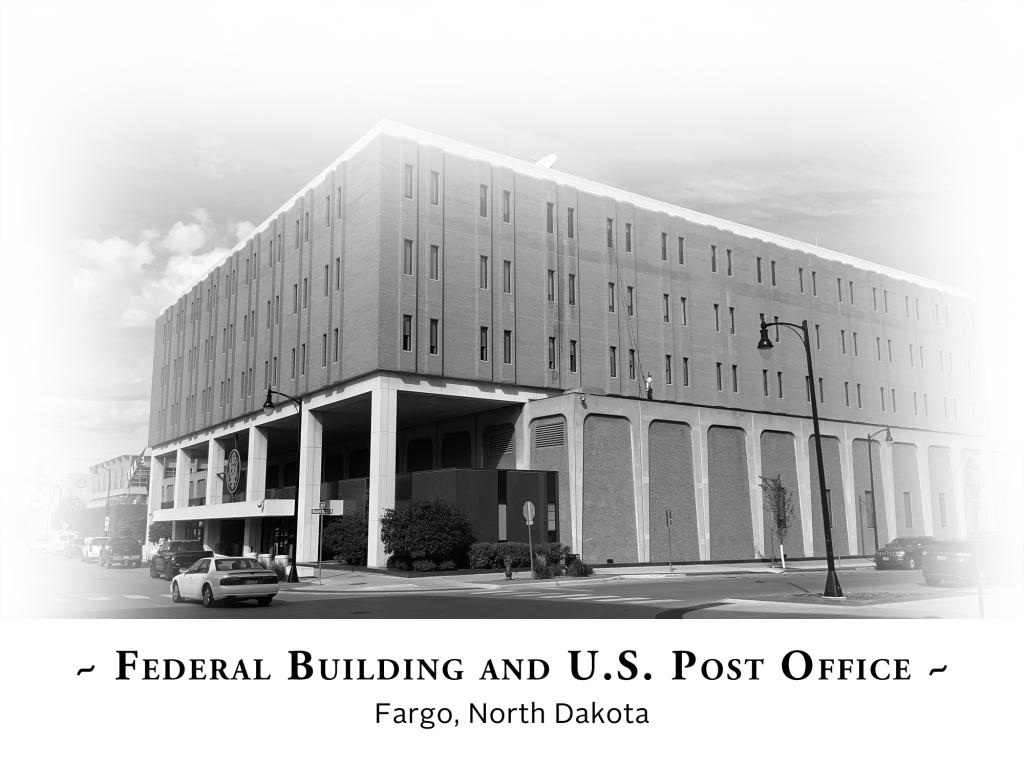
x: 234, y: 471
x: 529, y: 512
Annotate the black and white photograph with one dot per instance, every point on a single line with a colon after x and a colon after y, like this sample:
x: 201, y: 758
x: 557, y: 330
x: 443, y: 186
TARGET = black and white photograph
x: 526, y: 330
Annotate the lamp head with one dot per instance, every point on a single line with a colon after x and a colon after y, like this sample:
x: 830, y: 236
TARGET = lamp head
x: 764, y: 344
x: 888, y: 436
x: 268, y: 406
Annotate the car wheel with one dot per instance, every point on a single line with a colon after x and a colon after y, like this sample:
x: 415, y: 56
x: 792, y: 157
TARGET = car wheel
x: 932, y: 579
x: 264, y: 601
x: 208, y: 600
x: 911, y: 563
x: 175, y: 594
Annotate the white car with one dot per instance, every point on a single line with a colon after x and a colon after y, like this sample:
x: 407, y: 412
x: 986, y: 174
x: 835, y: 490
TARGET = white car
x: 220, y: 577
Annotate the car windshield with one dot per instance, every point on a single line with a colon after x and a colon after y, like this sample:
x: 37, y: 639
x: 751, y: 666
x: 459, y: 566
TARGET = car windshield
x: 184, y: 546
x: 898, y: 543
x: 238, y: 564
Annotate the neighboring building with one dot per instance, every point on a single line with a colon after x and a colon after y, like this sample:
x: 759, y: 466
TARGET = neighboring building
x: 440, y: 307
x: 119, y: 498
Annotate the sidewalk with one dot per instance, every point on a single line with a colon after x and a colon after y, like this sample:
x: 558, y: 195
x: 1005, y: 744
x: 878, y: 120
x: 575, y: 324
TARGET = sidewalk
x: 338, y: 579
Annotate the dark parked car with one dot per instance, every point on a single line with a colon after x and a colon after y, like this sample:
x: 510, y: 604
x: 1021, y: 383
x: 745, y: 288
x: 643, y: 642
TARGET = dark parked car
x: 173, y: 557
x: 904, y: 552
x: 983, y: 558
x: 121, y: 550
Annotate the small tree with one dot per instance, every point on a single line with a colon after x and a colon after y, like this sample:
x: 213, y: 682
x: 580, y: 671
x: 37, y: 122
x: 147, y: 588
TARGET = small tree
x: 159, y: 531
x: 434, y: 530
x: 778, y: 506
x: 345, y: 538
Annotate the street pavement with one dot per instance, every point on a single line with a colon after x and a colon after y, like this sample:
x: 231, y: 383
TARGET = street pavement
x: 68, y: 588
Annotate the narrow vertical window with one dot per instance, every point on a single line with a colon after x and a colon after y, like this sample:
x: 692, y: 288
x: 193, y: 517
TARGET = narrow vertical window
x: 629, y: 300
x: 483, y: 200
x: 327, y: 280
x: 714, y: 258
x: 885, y: 300
x: 611, y: 297
x: 408, y: 181
x: 570, y: 222
x: 572, y: 355
x: 717, y: 324
x: 842, y: 341
x: 506, y: 206
x: 337, y: 273
x: 435, y: 188
x: 433, y: 335
x: 305, y: 220
x: 839, y: 289
x: 778, y: 377
x: 874, y: 297
x: 664, y: 246
x: 551, y: 285
x: 856, y: 352
x: 406, y: 333
x: 302, y: 366
x: 433, y: 262
x: 800, y: 272
x: 327, y: 211
x: 759, y: 279
x: 407, y: 257
x: 814, y: 283
x: 686, y: 371
x: 483, y: 343
x: 612, y: 363
x: 773, y: 272
x: 764, y: 381
x: 506, y: 276
x: 888, y: 344
x: 551, y: 353
x: 682, y: 250
x: 334, y: 356
x: 608, y: 228
x: 629, y: 238
x: 881, y: 397
x: 892, y: 393
x: 483, y: 272
x: 632, y: 365
x: 732, y: 320
x: 682, y: 309
x: 295, y: 298
x: 668, y: 369
x: 728, y: 261
x: 323, y: 355
x: 846, y: 392
x: 305, y: 292
x: 507, y: 347
x: 817, y: 335
x: 735, y: 378
x: 915, y: 403
x: 572, y: 289
x: 859, y: 403
x: 665, y: 308
x: 718, y: 375
x: 551, y: 219
x: 821, y: 390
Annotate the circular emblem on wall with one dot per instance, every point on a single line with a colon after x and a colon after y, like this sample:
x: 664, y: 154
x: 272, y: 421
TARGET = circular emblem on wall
x: 234, y: 473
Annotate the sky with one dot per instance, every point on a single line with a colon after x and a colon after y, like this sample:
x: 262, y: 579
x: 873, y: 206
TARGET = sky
x: 140, y: 141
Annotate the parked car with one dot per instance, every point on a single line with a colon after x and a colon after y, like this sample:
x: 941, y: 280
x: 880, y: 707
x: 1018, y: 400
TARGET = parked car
x: 73, y: 547
x: 221, y: 577
x: 121, y: 550
x: 903, y: 552
x: 983, y: 557
x: 60, y: 541
x: 92, y: 547
x: 174, y: 557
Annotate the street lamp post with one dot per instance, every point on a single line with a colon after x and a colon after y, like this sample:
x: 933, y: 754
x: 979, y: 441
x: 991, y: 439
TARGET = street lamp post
x: 832, y: 587
x: 871, y: 477
x: 268, y: 409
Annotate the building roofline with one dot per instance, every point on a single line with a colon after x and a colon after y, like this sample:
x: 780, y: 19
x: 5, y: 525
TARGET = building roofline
x: 398, y: 130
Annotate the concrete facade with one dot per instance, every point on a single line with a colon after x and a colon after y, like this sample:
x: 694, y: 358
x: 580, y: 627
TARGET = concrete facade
x: 436, y: 305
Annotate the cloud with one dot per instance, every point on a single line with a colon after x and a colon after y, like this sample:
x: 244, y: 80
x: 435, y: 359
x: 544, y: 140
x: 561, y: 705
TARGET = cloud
x: 184, y: 239
x: 242, y: 229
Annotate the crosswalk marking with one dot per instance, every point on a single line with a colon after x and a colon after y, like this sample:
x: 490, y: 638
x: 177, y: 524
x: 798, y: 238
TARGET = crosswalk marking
x: 137, y: 597
x: 96, y: 597
x: 621, y: 599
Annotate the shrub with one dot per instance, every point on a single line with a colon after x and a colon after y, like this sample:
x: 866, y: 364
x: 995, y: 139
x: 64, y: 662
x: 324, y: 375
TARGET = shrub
x: 426, y: 530
x: 578, y: 568
x: 423, y: 564
x: 399, y: 563
x: 345, y: 539
x: 519, y: 551
x: 483, y: 554
x: 541, y: 569
x: 447, y: 565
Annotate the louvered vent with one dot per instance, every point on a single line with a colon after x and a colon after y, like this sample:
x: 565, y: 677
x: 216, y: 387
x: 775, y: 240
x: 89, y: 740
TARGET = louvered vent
x: 499, y: 440
x: 549, y: 435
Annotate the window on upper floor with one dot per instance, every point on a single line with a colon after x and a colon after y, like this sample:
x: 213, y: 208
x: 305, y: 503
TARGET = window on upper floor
x: 483, y: 200
x: 408, y: 181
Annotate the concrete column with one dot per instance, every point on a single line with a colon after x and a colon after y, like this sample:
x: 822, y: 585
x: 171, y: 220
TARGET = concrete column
x: 641, y: 482
x: 959, y: 501
x: 850, y: 491
x: 753, y: 440
x: 214, y: 472
x: 182, y: 469
x: 924, y: 473
x: 803, y: 487
x: 251, y: 537
x: 699, y: 446
x: 383, y: 416
x: 256, y: 469
x: 311, y: 449
x: 574, y: 456
x: 887, y: 483
x: 211, y: 535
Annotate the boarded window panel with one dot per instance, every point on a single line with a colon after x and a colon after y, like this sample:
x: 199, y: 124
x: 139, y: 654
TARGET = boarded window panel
x: 549, y: 435
x: 500, y: 439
